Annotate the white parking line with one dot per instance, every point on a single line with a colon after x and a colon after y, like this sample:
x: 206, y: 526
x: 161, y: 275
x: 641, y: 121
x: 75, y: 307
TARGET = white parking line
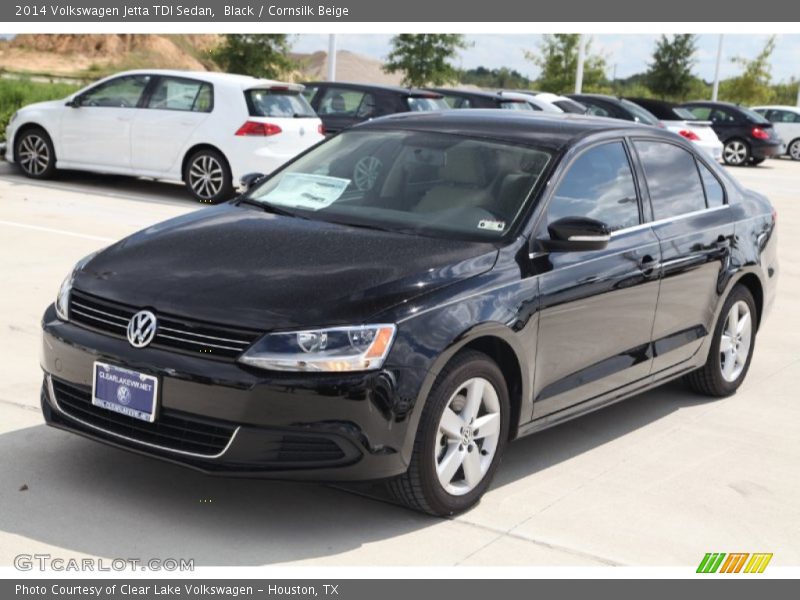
x: 85, y: 236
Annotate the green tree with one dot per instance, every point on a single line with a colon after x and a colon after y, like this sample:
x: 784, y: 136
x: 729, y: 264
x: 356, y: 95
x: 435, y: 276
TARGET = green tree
x: 504, y: 78
x: 753, y: 85
x: 424, y: 59
x: 558, y: 60
x: 670, y: 73
x: 259, y: 55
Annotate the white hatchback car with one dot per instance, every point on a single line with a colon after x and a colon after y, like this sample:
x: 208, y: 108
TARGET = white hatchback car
x: 204, y: 129
x: 786, y: 120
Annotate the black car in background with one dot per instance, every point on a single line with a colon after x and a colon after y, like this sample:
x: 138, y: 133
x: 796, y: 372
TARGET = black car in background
x: 600, y: 105
x: 409, y: 296
x: 747, y: 137
x: 342, y: 105
x: 457, y: 98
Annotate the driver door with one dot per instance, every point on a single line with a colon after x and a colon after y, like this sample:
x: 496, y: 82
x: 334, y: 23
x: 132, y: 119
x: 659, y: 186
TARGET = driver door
x: 96, y: 131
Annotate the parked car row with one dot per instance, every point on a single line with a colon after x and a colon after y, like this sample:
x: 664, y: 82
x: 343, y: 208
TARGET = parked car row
x: 207, y: 130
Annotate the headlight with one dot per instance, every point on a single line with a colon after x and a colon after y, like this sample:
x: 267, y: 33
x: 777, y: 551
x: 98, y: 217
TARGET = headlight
x: 62, y: 300
x: 357, y: 348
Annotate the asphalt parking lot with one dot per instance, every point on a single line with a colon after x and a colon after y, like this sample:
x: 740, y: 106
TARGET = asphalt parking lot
x: 660, y: 479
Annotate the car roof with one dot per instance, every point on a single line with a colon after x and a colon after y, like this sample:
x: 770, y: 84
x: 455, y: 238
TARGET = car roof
x: 551, y: 130
x: 371, y: 86
x: 243, y: 81
x: 795, y: 109
x: 712, y: 103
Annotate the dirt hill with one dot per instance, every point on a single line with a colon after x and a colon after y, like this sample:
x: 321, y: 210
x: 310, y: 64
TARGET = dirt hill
x: 78, y: 55
x: 349, y: 67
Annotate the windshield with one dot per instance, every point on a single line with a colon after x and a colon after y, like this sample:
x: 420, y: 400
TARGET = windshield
x: 278, y: 103
x: 642, y: 115
x: 410, y: 181
x: 684, y: 113
x: 425, y: 103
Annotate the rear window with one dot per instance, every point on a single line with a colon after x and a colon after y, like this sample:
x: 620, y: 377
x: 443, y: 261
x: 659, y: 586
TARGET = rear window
x: 426, y: 103
x: 754, y: 116
x: 278, y: 104
x: 642, y: 115
x: 570, y: 106
x: 684, y: 113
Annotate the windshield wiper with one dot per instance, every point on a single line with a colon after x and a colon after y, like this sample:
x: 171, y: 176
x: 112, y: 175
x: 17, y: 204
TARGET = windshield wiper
x: 269, y: 207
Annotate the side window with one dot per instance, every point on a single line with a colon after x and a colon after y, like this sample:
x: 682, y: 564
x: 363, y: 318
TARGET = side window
x: 123, y: 92
x: 715, y: 195
x: 783, y: 116
x: 599, y: 185
x: 597, y: 111
x: 346, y: 103
x: 719, y: 115
x: 672, y: 178
x: 173, y: 93
x: 703, y: 113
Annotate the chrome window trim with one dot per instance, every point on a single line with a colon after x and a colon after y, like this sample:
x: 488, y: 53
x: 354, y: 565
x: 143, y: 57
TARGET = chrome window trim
x: 54, y: 403
x: 658, y: 222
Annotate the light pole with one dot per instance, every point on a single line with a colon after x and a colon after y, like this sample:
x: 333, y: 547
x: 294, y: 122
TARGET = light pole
x: 715, y: 90
x: 332, y: 57
x: 581, y: 56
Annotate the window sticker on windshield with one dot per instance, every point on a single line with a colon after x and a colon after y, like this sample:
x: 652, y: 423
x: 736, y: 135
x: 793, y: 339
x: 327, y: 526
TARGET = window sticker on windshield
x: 491, y: 225
x: 304, y: 190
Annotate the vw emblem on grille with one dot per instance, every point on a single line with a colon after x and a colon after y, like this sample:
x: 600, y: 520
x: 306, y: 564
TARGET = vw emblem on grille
x: 124, y: 395
x: 141, y: 329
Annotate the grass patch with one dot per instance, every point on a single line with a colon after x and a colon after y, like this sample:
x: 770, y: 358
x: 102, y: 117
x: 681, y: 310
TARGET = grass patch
x: 16, y: 93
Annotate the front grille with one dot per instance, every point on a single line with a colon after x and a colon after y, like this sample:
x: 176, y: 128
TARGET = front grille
x: 172, y: 430
x: 175, y: 333
x: 289, y: 448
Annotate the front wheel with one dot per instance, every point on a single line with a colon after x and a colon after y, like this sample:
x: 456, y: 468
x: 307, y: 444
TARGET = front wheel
x: 794, y: 150
x: 35, y: 154
x: 731, y: 348
x: 208, y: 177
x: 462, y: 434
x: 736, y: 153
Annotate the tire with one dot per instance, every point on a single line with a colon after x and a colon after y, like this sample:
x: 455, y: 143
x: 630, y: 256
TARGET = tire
x: 208, y: 178
x: 736, y: 152
x: 35, y: 154
x: 793, y: 150
x: 712, y: 379
x: 421, y: 487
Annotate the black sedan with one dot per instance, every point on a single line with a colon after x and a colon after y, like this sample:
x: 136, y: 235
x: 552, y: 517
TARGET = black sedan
x: 404, y: 299
x: 341, y: 105
x: 747, y: 137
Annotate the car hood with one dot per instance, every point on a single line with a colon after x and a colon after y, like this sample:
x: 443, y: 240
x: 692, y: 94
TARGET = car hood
x: 239, y: 265
x: 47, y: 104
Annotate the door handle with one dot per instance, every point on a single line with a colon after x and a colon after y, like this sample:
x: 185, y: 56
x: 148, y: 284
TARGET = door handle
x: 723, y: 243
x: 648, y: 266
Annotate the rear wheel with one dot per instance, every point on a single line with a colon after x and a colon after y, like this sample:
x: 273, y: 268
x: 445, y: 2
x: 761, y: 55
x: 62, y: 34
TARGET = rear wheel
x: 35, y: 154
x: 731, y: 349
x: 208, y: 177
x: 794, y: 149
x: 462, y: 434
x: 736, y: 152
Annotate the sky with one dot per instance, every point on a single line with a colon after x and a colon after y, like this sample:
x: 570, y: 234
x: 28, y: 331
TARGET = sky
x: 629, y: 53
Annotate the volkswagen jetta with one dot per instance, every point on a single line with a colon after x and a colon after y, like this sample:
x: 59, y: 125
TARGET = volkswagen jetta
x: 401, y: 301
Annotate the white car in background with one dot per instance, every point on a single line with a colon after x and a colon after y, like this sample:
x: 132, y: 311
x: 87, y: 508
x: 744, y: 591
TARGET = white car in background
x: 204, y: 129
x: 568, y: 105
x: 683, y: 122
x: 786, y: 120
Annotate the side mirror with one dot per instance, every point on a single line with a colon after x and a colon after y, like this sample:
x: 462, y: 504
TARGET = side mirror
x: 74, y: 102
x: 250, y: 180
x: 575, y: 234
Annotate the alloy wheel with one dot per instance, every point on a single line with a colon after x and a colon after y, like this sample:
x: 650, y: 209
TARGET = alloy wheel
x: 366, y: 172
x: 734, y: 346
x: 467, y: 437
x: 34, y: 155
x: 735, y: 152
x: 206, y: 176
x: 794, y: 150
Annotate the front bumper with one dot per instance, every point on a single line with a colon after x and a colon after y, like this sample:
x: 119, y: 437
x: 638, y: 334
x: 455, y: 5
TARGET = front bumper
x: 224, y: 418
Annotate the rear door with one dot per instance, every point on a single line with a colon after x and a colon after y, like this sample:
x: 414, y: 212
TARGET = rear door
x: 173, y: 110
x: 695, y: 230
x: 97, y: 132
x: 597, y: 307
x: 787, y: 124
